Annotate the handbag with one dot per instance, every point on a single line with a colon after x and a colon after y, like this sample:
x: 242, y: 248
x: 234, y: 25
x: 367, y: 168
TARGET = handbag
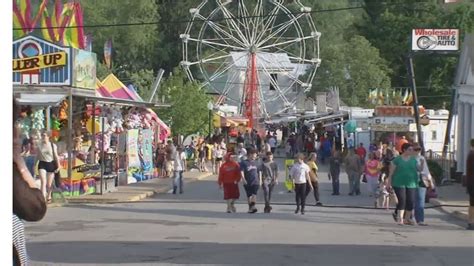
x: 57, y: 174
x: 364, y: 179
x: 422, y: 182
x: 431, y: 193
x: 289, y: 185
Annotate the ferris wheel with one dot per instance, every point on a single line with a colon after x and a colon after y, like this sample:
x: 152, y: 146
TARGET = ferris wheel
x: 259, y: 55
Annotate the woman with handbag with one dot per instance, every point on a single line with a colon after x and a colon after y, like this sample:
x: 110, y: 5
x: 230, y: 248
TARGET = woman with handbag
x: 403, y: 179
x: 48, y: 164
x: 425, y: 182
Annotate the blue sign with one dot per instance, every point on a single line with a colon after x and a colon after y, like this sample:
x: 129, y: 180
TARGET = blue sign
x: 39, y: 62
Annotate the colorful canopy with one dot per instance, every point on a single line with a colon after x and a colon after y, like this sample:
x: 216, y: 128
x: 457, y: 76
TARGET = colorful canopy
x: 112, y: 87
x: 117, y: 89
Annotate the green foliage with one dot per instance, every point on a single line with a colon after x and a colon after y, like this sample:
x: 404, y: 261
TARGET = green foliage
x: 188, y: 112
x: 134, y: 47
x: 143, y: 80
x: 436, y: 171
x: 349, y: 61
x: 169, y: 51
x: 388, y: 27
x: 360, y: 48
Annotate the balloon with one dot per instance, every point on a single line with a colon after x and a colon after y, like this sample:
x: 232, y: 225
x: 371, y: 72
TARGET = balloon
x: 350, y: 126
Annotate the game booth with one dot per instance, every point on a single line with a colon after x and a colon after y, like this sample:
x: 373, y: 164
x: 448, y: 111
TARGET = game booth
x: 99, y: 132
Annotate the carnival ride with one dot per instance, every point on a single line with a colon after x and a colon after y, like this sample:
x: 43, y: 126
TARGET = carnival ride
x: 259, y: 55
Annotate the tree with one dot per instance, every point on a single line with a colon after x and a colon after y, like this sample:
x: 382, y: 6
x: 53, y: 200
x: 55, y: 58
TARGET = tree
x: 349, y: 61
x: 134, y: 47
x: 388, y: 27
x: 188, y: 113
x: 354, y: 66
x: 170, y: 51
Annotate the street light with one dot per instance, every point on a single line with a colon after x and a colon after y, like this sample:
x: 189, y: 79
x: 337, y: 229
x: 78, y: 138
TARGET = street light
x: 210, y: 106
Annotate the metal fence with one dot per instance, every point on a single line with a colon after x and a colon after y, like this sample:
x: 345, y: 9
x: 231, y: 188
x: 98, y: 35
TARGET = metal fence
x: 446, y: 164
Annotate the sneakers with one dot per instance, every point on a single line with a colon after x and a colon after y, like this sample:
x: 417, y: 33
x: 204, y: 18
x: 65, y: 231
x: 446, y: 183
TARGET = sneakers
x: 267, y: 209
x: 408, y: 222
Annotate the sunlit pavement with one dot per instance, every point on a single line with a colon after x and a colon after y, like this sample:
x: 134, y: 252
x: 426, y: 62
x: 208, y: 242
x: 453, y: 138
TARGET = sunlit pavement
x: 193, y: 228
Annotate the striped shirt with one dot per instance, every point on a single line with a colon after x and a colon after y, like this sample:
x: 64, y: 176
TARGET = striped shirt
x: 18, y: 237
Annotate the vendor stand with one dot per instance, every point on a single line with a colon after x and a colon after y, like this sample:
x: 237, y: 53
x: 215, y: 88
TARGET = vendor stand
x: 230, y: 127
x: 391, y: 123
x: 57, y: 88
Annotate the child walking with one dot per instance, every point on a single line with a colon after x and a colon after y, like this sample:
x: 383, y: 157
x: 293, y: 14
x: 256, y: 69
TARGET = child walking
x: 229, y: 177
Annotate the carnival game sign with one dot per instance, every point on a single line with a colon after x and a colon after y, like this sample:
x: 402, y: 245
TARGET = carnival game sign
x: 435, y: 40
x: 38, y: 62
x: 84, y: 69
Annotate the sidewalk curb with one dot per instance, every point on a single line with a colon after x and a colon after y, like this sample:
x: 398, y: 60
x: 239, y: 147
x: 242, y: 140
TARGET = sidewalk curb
x: 458, y: 214
x: 137, y: 196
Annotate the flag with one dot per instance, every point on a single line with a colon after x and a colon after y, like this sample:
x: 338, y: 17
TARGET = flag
x: 64, y: 24
x: 108, y: 53
x: 88, y: 42
x: 23, y: 21
x: 74, y: 33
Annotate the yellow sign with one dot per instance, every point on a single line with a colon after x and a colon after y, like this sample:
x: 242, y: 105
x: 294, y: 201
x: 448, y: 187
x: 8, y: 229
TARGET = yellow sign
x: 39, y: 62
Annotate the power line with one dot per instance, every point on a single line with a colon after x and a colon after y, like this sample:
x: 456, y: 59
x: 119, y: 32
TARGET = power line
x: 214, y: 20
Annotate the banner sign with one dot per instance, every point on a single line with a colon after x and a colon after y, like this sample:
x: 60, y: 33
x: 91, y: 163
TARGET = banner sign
x: 84, y: 69
x: 108, y: 53
x: 39, y: 62
x: 147, y: 150
x: 435, y: 40
x: 390, y: 127
x: 36, y: 61
x: 399, y: 111
x: 132, y: 148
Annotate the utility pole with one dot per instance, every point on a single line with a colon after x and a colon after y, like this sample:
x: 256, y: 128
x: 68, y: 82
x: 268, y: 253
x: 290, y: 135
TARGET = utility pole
x: 411, y: 73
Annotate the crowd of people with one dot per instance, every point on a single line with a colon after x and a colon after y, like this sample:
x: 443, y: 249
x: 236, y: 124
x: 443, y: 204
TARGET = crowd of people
x: 394, y: 175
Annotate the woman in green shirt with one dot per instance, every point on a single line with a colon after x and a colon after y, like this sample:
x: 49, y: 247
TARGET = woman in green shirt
x: 403, y: 178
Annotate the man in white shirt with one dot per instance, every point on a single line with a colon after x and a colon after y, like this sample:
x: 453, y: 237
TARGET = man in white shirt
x: 179, y: 168
x: 299, y: 173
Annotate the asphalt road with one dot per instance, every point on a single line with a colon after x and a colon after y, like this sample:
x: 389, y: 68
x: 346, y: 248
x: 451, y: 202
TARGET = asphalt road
x: 193, y: 228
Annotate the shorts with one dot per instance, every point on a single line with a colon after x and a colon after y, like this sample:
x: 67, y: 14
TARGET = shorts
x: 231, y: 191
x: 49, y: 167
x: 218, y: 159
x: 251, y: 190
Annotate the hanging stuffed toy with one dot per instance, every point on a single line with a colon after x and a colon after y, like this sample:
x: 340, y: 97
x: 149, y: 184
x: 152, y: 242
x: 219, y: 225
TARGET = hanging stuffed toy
x: 38, y: 119
x: 25, y: 126
x: 99, y: 139
x: 62, y: 114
